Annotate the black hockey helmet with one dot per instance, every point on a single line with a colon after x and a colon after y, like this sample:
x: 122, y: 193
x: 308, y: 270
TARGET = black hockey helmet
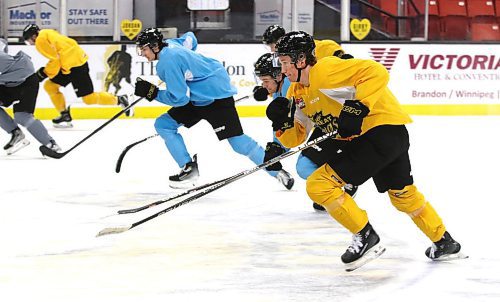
x: 151, y: 37
x: 266, y: 65
x: 272, y: 34
x: 30, y: 30
x: 295, y: 44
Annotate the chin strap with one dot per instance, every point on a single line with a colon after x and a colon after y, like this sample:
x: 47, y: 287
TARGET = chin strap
x: 299, y: 71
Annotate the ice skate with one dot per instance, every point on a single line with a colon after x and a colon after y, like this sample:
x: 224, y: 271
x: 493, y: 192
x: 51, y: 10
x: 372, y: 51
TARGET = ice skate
x: 445, y: 249
x: 187, y: 177
x: 17, y: 142
x: 53, y: 146
x: 364, y: 248
x: 285, y: 179
x: 124, y: 103
x: 318, y: 207
x: 64, y: 120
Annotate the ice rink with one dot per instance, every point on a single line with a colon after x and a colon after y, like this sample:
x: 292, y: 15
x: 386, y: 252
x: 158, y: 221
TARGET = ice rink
x: 249, y: 241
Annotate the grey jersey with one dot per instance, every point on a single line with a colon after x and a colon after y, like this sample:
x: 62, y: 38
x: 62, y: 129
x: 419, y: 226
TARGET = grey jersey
x: 15, y: 69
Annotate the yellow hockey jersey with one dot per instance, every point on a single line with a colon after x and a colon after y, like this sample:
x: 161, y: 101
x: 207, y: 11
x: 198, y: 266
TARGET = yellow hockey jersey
x: 325, y: 48
x: 63, y: 53
x: 332, y: 81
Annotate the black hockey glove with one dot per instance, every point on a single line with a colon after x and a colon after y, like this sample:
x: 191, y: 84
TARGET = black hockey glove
x: 351, y: 118
x: 273, y: 149
x: 341, y: 54
x: 281, y: 112
x: 40, y: 74
x: 145, y: 89
x: 260, y: 93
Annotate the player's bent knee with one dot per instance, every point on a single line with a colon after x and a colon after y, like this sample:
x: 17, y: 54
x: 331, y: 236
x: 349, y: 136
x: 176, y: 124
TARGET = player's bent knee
x: 51, y: 88
x: 408, y: 200
x: 24, y: 118
x: 166, y: 124
x: 91, y: 99
x: 323, y: 189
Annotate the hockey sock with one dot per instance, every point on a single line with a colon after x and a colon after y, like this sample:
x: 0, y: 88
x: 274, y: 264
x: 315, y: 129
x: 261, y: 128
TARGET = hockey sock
x: 100, y: 98
x: 409, y: 200
x: 55, y: 95
x: 35, y: 127
x: 6, y: 122
x: 324, y: 187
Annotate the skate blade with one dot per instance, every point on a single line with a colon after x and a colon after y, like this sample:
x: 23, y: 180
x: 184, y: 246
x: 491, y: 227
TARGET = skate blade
x: 23, y: 143
x: 372, y: 254
x: 186, y: 184
x: 451, y: 257
x: 63, y: 125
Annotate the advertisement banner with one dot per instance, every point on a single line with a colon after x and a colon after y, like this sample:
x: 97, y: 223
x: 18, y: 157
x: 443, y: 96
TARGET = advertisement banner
x: 423, y: 76
x: 114, y: 68
x: 269, y: 12
x: 84, y: 18
x: 452, y: 74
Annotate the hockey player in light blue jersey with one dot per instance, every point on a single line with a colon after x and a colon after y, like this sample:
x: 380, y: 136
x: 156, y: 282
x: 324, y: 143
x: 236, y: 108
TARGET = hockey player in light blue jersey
x: 198, y: 88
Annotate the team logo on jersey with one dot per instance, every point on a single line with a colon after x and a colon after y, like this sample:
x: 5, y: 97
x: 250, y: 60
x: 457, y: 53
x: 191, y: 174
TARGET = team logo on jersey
x: 327, y: 123
x: 299, y: 103
x: 385, y: 56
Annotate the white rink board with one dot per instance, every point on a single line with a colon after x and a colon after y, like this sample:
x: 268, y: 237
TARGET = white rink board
x: 438, y: 74
x: 420, y: 74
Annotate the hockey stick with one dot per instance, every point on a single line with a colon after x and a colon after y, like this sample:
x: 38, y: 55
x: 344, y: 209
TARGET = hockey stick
x: 212, y: 187
x: 53, y: 154
x: 198, y: 188
x: 122, y: 155
x: 124, y: 152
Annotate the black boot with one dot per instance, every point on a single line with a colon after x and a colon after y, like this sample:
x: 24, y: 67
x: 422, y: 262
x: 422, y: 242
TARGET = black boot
x: 444, y: 249
x: 64, y: 120
x: 364, y: 248
x: 187, y: 177
x: 17, y: 142
x: 124, y: 103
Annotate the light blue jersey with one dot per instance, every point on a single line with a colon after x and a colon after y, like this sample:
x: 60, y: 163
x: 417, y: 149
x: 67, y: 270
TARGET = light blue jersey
x: 284, y: 88
x: 187, y: 40
x: 190, y: 76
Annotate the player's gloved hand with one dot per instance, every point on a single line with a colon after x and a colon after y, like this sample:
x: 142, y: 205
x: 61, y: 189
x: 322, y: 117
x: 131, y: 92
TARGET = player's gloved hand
x: 145, y: 89
x: 40, y: 74
x: 351, y: 118
x: 341, y: 54
x: 281, y: 112
x: 273, y: 149
x: 260, y: 93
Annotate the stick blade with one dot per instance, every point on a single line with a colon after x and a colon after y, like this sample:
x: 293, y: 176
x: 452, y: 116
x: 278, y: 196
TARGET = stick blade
x: 51, y: 153
x: 115, y: 230
x: 119, y: 161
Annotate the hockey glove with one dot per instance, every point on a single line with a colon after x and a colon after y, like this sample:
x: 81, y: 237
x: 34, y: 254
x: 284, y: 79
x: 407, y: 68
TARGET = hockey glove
x: 341, y: 54
x: 281, y: 112
x: 40, y: 74
x: 145, y: 89
x: 273, y: 149
x: 351, y: 118
x: 260, y: 93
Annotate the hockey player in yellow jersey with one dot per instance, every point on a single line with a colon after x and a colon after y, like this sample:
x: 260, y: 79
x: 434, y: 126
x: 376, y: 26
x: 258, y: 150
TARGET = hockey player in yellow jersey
x: 324, y: 48
x: 352, y: 98
x: 67, y: 64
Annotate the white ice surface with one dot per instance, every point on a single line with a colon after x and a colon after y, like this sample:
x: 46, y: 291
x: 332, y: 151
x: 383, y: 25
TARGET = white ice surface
x: 249, y: 241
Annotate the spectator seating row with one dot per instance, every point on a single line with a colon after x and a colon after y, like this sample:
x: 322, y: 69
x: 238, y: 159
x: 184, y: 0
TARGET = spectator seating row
x: 477, y: 20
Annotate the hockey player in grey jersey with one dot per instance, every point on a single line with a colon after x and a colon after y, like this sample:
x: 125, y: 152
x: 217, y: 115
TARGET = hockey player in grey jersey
x: 19, y: 87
